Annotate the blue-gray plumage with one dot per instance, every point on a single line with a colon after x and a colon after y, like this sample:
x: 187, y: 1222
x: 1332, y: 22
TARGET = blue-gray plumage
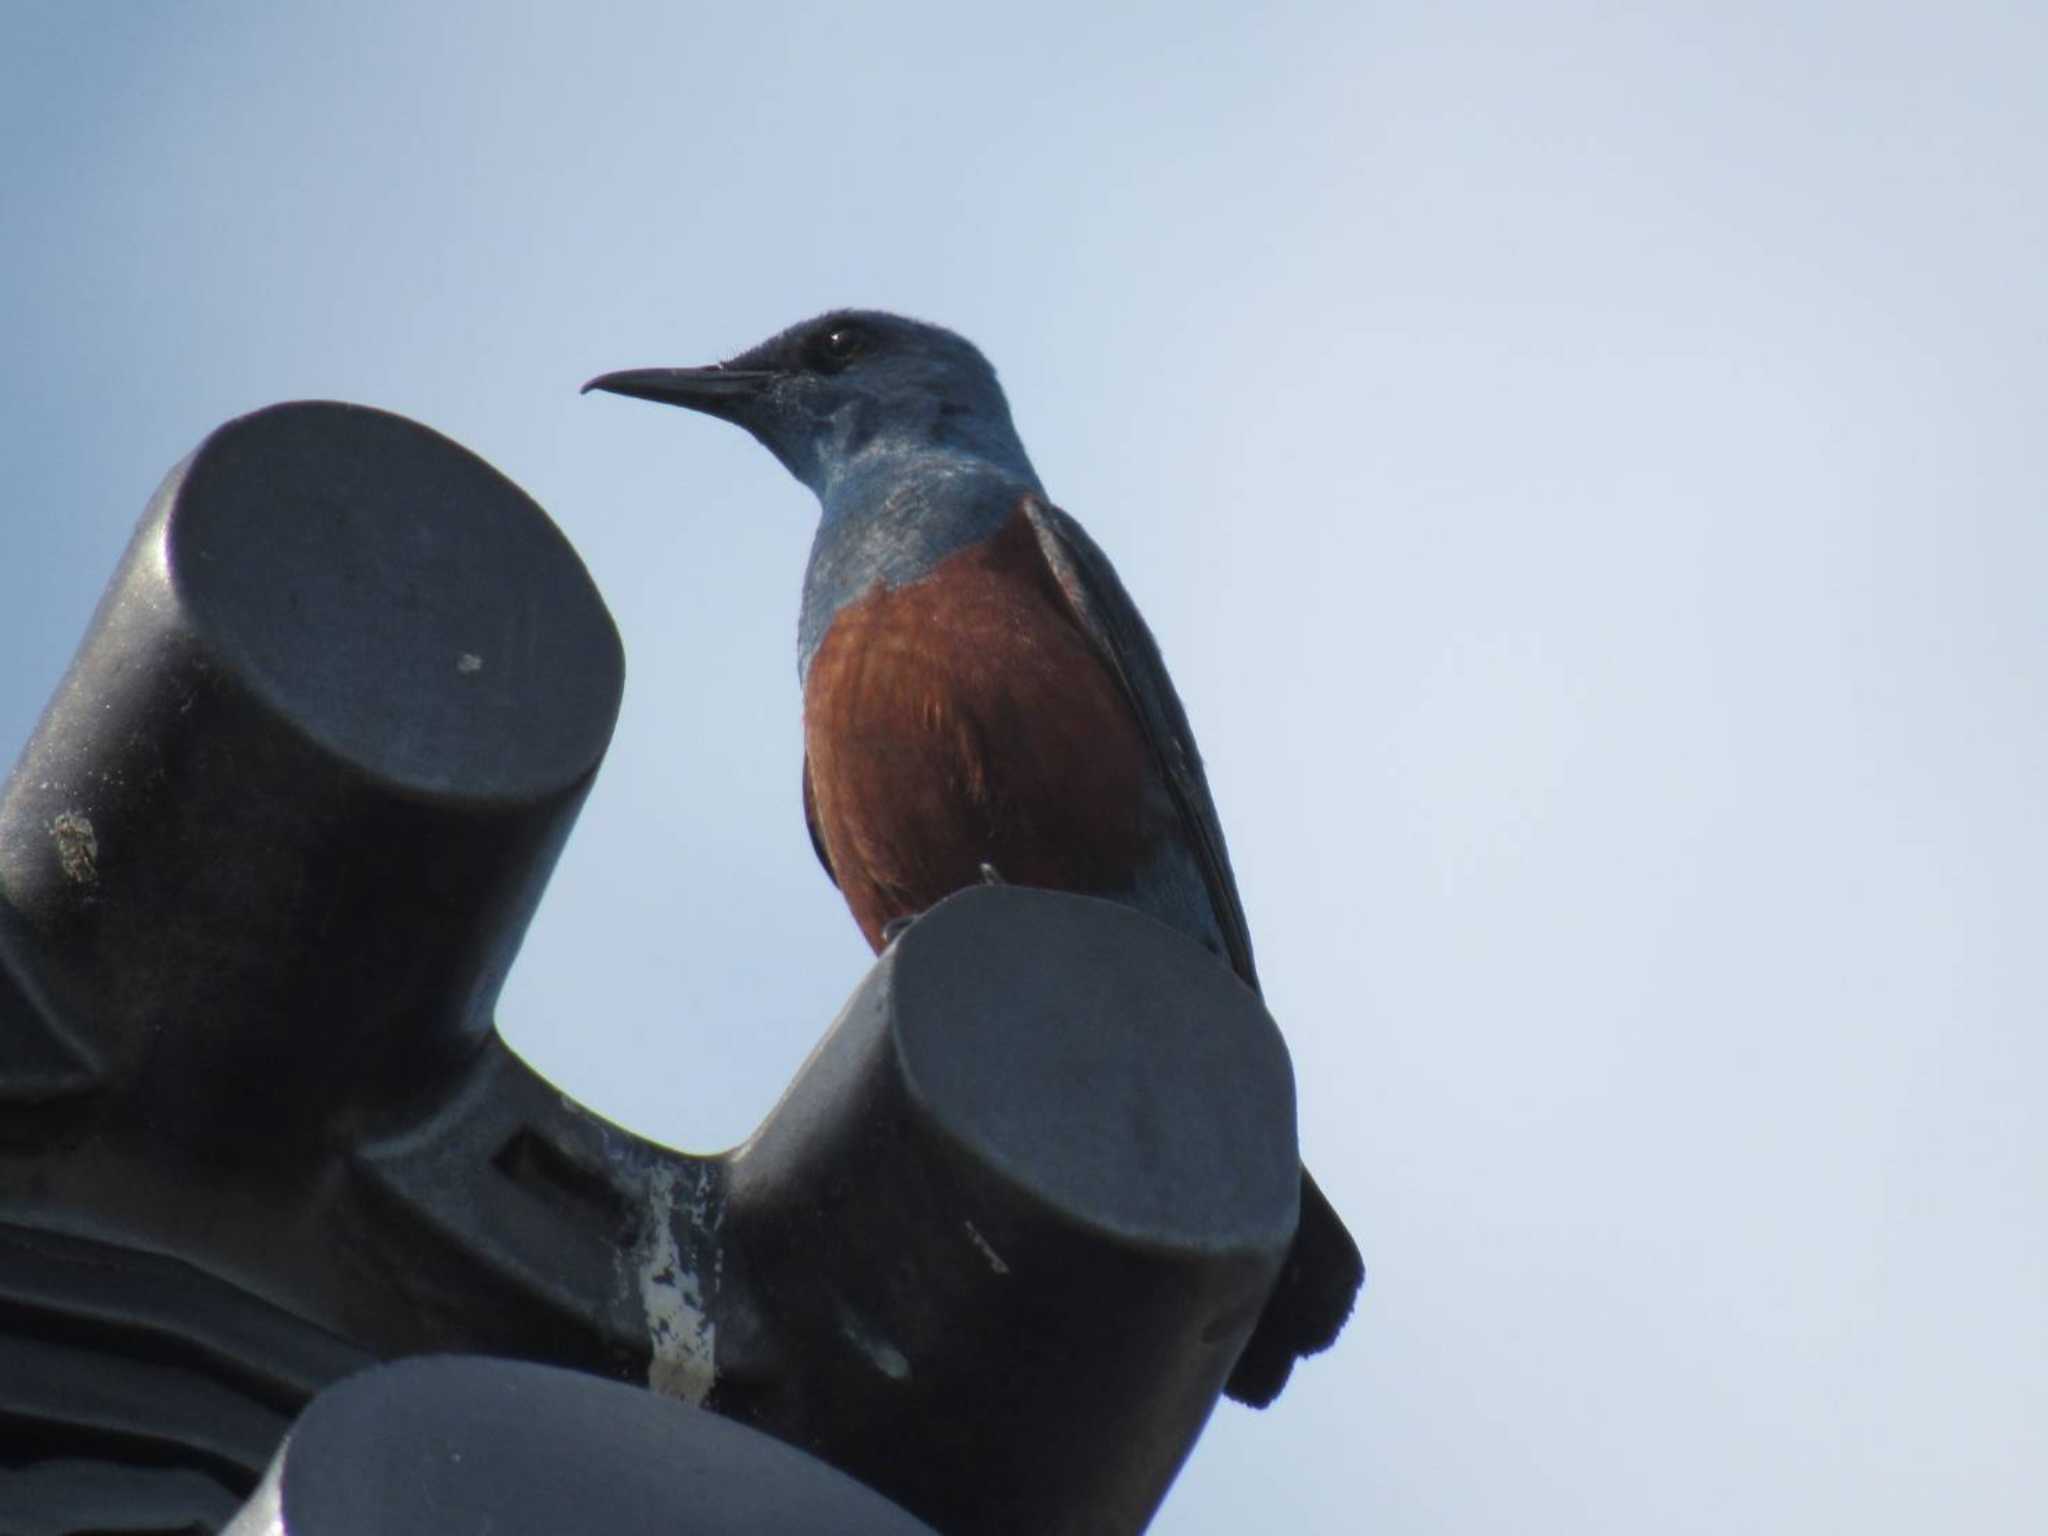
x: 979, y: 690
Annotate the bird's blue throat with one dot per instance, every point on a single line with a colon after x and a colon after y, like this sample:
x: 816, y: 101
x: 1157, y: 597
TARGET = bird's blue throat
x: 894, y: 511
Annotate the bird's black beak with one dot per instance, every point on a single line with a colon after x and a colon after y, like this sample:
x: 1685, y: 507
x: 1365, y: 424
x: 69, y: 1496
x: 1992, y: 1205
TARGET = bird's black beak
x: 717, y: 390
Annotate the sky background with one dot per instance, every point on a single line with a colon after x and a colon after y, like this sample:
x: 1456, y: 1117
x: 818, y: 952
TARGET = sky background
x: 1584, y: 465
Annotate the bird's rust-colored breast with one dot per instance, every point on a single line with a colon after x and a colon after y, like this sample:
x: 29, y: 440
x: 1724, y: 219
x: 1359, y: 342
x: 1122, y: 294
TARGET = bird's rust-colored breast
x: 963, y: 719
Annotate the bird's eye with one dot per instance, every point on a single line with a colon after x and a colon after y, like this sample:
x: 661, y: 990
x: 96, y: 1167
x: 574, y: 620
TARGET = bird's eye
x: 835, y: 349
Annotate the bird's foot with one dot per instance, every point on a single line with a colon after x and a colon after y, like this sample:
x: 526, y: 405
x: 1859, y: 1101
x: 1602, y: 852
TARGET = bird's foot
x: 990, y: 875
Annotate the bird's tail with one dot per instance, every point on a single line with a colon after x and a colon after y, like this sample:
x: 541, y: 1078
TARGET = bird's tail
x: 1309, y: 1304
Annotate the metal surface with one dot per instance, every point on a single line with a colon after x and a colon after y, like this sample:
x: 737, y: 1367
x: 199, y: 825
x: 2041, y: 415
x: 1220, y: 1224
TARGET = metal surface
x: 262, y: 869
x: 432, y: 1446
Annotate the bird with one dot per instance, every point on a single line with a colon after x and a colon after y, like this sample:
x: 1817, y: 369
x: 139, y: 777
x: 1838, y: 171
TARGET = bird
x: 982, y: 700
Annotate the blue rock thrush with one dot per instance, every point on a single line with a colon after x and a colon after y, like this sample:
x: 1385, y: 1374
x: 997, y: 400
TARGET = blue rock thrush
x: 981, y: 698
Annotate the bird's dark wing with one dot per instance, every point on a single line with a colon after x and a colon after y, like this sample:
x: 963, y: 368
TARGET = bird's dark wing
x: 811, y: 824
x: 1320, y: 1279
x: 1109, y: 617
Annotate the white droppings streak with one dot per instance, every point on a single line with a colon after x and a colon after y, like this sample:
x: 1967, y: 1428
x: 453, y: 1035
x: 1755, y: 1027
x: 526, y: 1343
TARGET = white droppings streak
x: 680, y: 1334
x: 78, y: 847
x: 995, y: 1260
x: 886, y: 1357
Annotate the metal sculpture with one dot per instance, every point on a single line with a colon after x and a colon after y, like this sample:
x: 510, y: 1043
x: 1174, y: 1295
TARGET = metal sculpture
x: 263, y: 867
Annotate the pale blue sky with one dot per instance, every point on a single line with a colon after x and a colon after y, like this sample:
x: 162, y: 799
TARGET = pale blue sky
x: 1584, y: 465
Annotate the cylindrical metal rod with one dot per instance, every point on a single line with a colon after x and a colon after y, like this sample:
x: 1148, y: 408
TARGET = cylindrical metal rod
x: 1017, y: 1215
x: 309, y: 771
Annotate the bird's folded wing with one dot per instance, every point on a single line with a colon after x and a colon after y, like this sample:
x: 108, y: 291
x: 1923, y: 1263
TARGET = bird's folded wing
x: 1109, y: 618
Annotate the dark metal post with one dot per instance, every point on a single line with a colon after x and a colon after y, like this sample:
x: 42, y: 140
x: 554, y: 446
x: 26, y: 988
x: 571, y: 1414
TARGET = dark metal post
x: 263, y: 867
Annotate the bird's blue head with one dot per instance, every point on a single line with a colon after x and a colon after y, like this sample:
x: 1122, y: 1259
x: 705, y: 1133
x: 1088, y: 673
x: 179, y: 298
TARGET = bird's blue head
x: 851, y: 398
x: 898, y: 426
